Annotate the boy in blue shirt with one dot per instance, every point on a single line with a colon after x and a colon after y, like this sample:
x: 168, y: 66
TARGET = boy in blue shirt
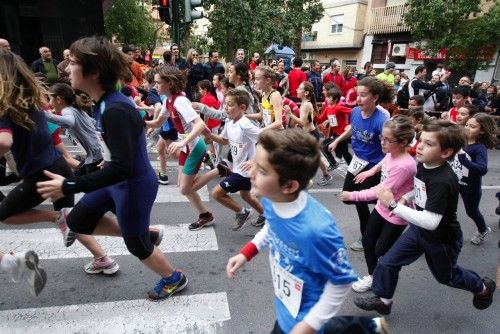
x: 311, y: 272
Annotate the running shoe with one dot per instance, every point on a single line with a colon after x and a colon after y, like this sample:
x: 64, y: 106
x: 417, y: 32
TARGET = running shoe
x: 156, y: 234
x: 162, y: 178
x: 357, y: 245
x: 165, y: 288
x: 223, y: 169
x: 373, y: 304
x: 333, y: 166
x: 205, y: 219
x: 484, y: 299
x: 325, y: 180
x: 27, y: 270
x: 105, y: 265
x: 69, y: 236
x: 363, y: 284
x: 208, y: 161
x: 241, y: 219
x: 479, y: 237
x: 259, y: 222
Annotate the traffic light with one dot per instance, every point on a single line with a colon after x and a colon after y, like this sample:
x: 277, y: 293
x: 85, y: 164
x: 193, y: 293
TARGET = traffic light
x: 191, y: 13
x: 165, y: 11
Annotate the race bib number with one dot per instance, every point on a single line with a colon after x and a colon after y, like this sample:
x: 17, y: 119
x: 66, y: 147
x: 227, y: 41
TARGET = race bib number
x: 332, y: 120
x: 106, y: 153
x: 459, y: 169
x: 420, y: 193
x: 356, y: 165
x: 287, y: 287
x: 266, y: 117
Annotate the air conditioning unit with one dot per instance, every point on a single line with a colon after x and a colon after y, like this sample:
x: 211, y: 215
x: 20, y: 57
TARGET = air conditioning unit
x: 306, y: 56
x: 399, y: 50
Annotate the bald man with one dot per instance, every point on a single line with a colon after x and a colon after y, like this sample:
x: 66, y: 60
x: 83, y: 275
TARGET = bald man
x: 46, y: 65
x: 4, y: 44
x: 61, y: 68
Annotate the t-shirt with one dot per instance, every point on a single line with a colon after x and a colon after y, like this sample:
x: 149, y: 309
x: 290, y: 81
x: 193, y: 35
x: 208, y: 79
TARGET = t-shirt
x: 242, y: 136
x: 50, y: 71
x: 389, y: 78
x: 32, y: 149
x: 337, y: 116
x: 336, y: 78
x: 436, y: 190
x: 295, y: 78
x: 181, y: 111
x: 366, y: 135
x: 210, y: 101
x: 306, y: 250
x: 471, y: 166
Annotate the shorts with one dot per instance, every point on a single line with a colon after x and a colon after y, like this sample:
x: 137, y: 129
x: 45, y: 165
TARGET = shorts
x: 315, y: 133
x: 235, y: 182
x: 169, y: 135
x: 191, y: 161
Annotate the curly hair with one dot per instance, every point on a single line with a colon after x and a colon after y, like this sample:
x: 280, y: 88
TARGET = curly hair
x: 176, y: 78
x: 20, y: 90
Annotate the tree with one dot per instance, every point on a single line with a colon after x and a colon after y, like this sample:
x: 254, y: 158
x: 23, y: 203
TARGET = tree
x: 469, y: 33
x: 254, y: 25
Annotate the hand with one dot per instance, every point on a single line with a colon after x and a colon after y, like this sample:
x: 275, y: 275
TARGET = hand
x: 361, y: 177
x: 196, y: 106
x: 302, y: 328
x: 333, y: 146
x: 52, y: 188
x: 149, y: 131
x: 174, y: 147
x: 100, y: 165
x: 247, y: 166
x: 325, y: 124
x: 461, y: 151
x: 385, y: 196
x: 235, y: 263
x: 345, y: 196
x: 287, y: 110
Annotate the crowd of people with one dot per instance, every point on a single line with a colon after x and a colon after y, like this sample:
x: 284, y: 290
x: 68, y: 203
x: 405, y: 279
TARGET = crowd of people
x: 411, y: 147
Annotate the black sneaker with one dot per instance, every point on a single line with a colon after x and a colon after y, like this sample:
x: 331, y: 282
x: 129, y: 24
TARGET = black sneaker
x: 162, y: 179
x: 373, y: 304
x: 224, y: 170
x: 259, y: 222
x: 241, y: 219
x: 482, y: 301
x: 205, y: 219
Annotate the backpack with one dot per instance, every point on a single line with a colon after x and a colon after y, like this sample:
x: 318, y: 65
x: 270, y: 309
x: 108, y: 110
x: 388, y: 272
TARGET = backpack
x: 403, y: 96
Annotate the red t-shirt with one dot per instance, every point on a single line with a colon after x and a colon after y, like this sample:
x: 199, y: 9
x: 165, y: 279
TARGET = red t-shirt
x: 336, y: 114
x: 453, y: 114
x: 348, y: 84
x: 295, y: 78
x: 337, y: 79
x: 210, y: 101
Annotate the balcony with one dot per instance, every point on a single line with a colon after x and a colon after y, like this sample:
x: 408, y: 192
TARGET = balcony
x: 386, y: 20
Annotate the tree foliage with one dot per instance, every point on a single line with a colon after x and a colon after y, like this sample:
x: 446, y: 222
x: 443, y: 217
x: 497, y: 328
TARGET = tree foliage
x: 254, y: 25
x: 469, y: 35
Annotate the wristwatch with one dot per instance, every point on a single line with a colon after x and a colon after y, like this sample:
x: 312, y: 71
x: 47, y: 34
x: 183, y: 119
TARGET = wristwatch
x: 392, y: 205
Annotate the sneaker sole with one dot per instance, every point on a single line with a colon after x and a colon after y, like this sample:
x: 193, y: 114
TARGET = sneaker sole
x: 163, y: 182
x: 202, y: 226
x: 110, y: 271
x: 179, y: 289
x: 358, y: 290
x: 39, y: 275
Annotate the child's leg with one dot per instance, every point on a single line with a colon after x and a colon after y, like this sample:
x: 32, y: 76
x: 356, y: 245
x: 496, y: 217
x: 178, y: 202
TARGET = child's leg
x: 471, y: 201
x: 326, y: 152
x: 186, y: 187
x: 370, y: 238
x: 252, y: 200
x: 343, y: 151
x: 161, y: 146
x: 223, y: 198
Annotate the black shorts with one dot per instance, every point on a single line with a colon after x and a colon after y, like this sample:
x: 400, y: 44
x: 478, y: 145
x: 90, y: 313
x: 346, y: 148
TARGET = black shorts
x: 169, y: 135
x: 235, y: 182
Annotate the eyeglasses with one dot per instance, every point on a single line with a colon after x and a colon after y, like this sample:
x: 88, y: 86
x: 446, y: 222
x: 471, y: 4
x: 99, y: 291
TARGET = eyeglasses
x: 195, y: 55
x: 386, y: 140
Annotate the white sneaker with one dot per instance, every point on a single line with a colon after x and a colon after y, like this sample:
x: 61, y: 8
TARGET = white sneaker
x: 478, y: 238
x: 325, y: 180
x: 363, y: 284
x: 27, y: 270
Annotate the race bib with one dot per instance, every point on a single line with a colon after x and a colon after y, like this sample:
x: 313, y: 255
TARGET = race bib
x: 266, y: 117
x: 287, y: 287
x: 356, y: 165
x: 106, y: 153
x: 332, y: 120
x: 383, y: 174
x: 459, y: 169
x: 420, y: 193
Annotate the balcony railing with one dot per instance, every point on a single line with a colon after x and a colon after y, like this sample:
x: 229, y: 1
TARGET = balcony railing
x: 385, y: 20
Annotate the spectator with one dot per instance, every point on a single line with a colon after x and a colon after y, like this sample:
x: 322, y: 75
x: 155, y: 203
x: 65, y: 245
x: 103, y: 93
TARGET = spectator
x: 295, y: 78
x: 179, y: 62
x: 168, y: 58
x: 314, y: 77
x: 418, y: 86
x: 350, y: 80
x: 4, y: 44
x: 388, y: 74
x: 138, y: 56
x: 61, y: 68
x: 196, y: 73
x: 439, y: 71
x: 254, y: 62
x: 134, y: 66
x: 283, y: 79
x: 335, y: 76
x: 46, y: 65
x: 240, y: 56
x: 213, y: 65
x: 366, y: 70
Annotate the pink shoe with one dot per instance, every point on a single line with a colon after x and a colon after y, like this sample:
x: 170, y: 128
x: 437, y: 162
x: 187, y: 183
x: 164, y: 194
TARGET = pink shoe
x: 105, y: 265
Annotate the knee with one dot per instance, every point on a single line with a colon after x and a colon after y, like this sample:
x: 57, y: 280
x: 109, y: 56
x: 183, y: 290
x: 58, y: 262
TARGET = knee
x: 139, y: 246
x: 186, y: 191
x: 218, y: 192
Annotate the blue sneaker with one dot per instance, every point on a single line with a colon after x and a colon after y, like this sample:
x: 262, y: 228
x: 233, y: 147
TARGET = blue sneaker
x: 165, y: 288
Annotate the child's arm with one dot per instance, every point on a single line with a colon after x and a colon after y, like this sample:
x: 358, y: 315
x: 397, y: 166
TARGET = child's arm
x: 480, y: 166
x: 277, y: 104
x: 216, y: 138
x: 346, y: 134
x: 67, y: 119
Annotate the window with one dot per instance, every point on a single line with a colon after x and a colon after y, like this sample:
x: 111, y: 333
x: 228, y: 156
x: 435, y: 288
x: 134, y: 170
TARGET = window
x: 337, y: 23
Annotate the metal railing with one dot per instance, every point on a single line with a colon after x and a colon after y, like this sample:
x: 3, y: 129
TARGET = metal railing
x: 385, y: 20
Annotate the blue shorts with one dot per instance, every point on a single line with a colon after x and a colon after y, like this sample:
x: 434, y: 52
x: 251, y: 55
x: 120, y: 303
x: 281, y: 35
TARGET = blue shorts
x: 235, y: 182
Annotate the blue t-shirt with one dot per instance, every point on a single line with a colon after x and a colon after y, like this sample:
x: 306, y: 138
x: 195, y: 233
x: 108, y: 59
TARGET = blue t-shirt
x: 366, y: 135
x: 32, y: 149
x: 310, y: 247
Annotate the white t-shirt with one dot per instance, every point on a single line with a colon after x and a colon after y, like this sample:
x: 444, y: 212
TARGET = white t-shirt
x: 242, y: 136
x: 186, y: 114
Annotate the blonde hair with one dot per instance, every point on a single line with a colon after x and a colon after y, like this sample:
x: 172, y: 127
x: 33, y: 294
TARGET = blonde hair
x: 20, y: 90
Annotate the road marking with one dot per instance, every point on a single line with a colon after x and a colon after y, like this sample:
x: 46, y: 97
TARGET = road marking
x: 338, y: 190
x: 49, y: 245
x: 166, y: 194
x: 201, y: 313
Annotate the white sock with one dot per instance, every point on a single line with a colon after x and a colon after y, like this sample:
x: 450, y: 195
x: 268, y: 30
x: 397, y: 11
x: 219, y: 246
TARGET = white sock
x: 386, y: 301
x: 8, y: 264
x: 242, y: 211
x: 378, y: 326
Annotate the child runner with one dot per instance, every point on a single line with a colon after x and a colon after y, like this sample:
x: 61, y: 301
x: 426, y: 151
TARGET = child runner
x: 398, y: 170
x: 24, y: 131
x: 241, y: 135
x: 205, y: 90
x: 127, y: 183
x: 192, y: 148
x: 309, y: 264
x: 308, y: 110
x: 216, y: 81
x: 336, y: 118
x: 365, y: 129
x: 434, y: 229
x: 23, y: 266
x: 471, y: 164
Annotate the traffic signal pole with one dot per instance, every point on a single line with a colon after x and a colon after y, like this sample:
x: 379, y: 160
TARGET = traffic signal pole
x: 176, y: 24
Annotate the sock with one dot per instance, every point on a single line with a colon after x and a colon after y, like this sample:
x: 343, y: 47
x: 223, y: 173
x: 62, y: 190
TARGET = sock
x: 173, y: 278
x: 375, y: 325
x: 386, y: 301
x: 8, y: 264
x: 242, y: 211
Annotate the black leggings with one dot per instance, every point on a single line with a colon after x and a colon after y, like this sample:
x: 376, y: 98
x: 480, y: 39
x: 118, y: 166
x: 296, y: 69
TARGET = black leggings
x: 378, y: 238
x: 25, y: 196
x: 361, y: 207
x: 342, y: 325
x: 342, y: 150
